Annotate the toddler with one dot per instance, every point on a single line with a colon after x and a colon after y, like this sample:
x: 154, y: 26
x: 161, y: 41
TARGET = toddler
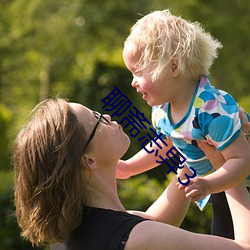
x: 170, y: 59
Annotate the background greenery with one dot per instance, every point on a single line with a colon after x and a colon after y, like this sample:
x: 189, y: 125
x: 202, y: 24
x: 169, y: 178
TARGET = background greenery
x: 72, y: 48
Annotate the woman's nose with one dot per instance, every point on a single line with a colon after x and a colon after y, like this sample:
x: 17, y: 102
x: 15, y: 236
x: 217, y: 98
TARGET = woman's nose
x: 108, y: 117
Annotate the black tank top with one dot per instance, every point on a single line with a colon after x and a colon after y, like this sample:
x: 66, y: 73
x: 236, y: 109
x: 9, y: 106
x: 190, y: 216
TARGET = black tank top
x: 102, y: 229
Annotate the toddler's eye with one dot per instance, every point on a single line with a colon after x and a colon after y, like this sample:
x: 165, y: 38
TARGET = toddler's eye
x: 138, y: 73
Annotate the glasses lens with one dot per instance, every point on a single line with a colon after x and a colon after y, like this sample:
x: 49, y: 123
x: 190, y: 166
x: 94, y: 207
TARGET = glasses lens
x: 105, y: 120
x: 99, y: 116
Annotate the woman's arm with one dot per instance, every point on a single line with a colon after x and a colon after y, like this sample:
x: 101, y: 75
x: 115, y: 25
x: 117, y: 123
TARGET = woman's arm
x: 160, y: 236
x: 171, y: 207
x: 236, y: 167
x: 234, y: 170
x: 142, y: 161
x: 239, y: 203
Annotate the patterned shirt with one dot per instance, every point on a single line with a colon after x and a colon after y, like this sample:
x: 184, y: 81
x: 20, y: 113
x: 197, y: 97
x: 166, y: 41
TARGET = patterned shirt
x: 213, y: 115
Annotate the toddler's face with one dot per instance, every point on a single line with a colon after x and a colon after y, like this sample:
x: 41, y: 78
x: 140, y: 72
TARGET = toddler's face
x: 152, y: 92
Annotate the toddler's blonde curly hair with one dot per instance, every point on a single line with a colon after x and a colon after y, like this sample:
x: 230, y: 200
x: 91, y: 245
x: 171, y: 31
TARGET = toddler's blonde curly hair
x: 160, y: 36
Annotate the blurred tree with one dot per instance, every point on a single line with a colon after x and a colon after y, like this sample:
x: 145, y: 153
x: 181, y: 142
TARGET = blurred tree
x: 5, y: 123
x: 72, y: 48
x: 244, y: 102
x: 227, y: 21
x: 51, y: 47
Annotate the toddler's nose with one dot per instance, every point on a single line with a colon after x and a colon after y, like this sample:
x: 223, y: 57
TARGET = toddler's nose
x: 134, y: 83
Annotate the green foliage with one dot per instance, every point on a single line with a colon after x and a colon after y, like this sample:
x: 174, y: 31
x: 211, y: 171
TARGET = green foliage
x: 244, y: 102
x: 230, y: 71
x: 73, y: 48
x: 5, y: 124
x: 197, y: 221
x: 139, y: 192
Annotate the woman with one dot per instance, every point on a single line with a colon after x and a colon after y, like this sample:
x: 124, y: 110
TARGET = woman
x: 65, y: 189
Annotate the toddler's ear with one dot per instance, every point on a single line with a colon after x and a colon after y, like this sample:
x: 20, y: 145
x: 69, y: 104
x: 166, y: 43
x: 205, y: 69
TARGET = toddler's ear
x: 175, y: 66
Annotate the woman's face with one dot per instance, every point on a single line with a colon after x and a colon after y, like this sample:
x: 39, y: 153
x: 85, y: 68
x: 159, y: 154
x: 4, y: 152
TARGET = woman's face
x: 109, y: 140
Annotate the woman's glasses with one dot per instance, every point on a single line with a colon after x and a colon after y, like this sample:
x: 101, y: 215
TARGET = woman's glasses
x: 100, y: 118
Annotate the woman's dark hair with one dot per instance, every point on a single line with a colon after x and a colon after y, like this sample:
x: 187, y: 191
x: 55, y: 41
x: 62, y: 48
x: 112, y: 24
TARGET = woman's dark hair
x: 49, y: 180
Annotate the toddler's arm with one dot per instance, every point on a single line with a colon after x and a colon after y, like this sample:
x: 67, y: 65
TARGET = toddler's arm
x: 233, y: 172
x: 171, y: 207
x: 142, y: 161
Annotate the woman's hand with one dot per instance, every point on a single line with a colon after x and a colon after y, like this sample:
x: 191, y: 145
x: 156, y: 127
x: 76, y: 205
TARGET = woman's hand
x: 199, y: 186
x: 245, y: 124
x: 214, y: 156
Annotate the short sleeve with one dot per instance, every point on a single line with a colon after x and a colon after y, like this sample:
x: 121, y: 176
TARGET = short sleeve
x: 218, y: 118
x: 160, y: 123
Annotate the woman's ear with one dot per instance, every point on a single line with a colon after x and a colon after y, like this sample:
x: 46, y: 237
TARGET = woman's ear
x: 175, y: 66
x: 90, y: 161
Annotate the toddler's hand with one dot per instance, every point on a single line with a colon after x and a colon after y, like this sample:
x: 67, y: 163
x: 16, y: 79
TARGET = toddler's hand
x: 197, y: 189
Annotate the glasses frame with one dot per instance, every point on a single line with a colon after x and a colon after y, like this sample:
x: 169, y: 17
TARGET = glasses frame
x: 100, y: 118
